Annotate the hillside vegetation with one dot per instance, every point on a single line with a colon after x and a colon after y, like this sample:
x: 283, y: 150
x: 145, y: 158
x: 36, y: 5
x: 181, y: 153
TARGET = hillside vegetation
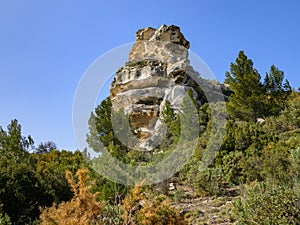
x: 254, y: 177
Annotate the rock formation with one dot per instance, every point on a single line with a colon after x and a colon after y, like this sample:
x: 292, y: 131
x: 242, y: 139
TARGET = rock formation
x: 158, y: 70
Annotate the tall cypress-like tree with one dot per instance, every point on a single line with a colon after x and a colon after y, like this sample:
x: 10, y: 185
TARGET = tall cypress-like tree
x: 246, y: 102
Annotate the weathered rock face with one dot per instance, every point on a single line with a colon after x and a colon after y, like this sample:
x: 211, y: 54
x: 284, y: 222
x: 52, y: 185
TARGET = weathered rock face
x: 158, y: 71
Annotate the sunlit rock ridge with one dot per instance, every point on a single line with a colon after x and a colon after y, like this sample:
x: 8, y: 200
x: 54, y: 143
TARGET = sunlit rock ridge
x: 158, y: 71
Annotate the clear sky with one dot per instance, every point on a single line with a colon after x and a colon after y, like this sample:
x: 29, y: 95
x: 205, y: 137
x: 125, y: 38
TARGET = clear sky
x: 45, y: 47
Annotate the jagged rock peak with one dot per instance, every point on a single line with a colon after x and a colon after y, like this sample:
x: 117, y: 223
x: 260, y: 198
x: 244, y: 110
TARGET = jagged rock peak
x: 166, y: 44
x: 158, y: 71
x: 164, y: 33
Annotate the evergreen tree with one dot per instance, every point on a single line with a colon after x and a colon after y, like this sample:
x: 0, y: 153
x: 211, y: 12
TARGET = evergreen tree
x: 100, y: 126
x: 277, y: 91
x: 20, y: 190
x: 46, y: 147
x: 246, y: 102
x: 12, y: 142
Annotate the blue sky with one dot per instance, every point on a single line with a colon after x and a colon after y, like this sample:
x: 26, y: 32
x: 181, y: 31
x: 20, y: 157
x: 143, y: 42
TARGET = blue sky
x: 46, y: 46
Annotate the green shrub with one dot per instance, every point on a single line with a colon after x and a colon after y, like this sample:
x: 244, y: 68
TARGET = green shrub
x: 275, y: 163
x: 232, y: 167
x: 4, y: 219
x: 263, y: 203
x: 294, y: 159
x: 251, y: 165
x: 209, y: 181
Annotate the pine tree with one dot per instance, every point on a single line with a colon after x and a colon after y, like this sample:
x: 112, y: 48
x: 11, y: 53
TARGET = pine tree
x: 100, y: 126
x: 246, y: 102
x: 277, y: 91
x: 103, y: 134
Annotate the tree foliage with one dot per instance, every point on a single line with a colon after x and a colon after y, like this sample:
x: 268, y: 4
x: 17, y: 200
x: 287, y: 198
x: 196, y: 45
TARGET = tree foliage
x: 82, y: 209
x: 102, y: 134
x: 29, y: 181
x: 12, y: 143
x: 267, y: 204
x: 252, y: 99
x: 277, y: 91
x: 45, y: 147
x: 247, y: 99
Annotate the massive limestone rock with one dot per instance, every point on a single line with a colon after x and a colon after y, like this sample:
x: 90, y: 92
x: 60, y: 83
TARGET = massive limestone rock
x: 158, y: 71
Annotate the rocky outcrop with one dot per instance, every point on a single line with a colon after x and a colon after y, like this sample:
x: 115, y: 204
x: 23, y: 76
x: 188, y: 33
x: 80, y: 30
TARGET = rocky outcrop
x: 158, y: 71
